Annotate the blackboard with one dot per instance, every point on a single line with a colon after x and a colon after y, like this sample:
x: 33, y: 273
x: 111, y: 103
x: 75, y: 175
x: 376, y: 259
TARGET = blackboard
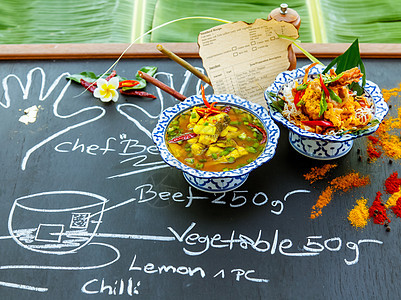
x: 152, y: 236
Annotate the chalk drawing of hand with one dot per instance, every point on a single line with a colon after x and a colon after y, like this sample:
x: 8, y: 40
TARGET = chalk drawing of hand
x: 142, y: 118
x: 145, y: 121
x: 69, y: 119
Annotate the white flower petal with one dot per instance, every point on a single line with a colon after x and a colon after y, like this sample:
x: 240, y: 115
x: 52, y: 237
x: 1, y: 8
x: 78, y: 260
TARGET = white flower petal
x: 106, y: 99
x: 100, y: 82
x: 96, y: 93
x: 107, y: 90
x: 115, y: 96
x: 113, y: 83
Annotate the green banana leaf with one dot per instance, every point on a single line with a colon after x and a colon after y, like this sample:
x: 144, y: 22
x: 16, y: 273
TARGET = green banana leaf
x: 369, y: 21
x: 322, y: 21
x: 125, y: 21
x: 67, y: 21
x: 230, y: 10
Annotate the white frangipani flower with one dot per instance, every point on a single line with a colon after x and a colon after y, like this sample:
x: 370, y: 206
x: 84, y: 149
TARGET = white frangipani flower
x: 106, y: 91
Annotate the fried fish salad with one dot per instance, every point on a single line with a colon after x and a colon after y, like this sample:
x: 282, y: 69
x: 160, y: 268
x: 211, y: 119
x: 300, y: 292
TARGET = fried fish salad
x: 325, y: 104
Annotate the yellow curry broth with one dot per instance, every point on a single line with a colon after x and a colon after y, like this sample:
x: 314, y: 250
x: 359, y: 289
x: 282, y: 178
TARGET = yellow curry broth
x: 237, y: 144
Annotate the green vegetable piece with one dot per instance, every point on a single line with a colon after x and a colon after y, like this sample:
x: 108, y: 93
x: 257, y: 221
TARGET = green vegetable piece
x: 199, y: 166
x: 242, y: 136
x: 359, y: 131
x: 334, y: 96
x: 277, y: 104
x: 322, y: 104
x: 226, y: 151
x: 300, y: 103
x: 301, y: 87
x: 190, y: 160
x: 328, y: 79
x: 251, y: 149
x: 231, y: 159
x: 214, y: 155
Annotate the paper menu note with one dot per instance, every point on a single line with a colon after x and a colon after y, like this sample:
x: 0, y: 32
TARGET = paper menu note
x: 244, y: 59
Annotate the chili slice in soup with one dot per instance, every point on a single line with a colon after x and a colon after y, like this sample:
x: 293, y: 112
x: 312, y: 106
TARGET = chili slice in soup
x: 216, y: 139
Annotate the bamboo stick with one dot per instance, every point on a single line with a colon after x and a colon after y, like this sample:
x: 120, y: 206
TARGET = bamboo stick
x: 184, y: 63
x: 162, y: 86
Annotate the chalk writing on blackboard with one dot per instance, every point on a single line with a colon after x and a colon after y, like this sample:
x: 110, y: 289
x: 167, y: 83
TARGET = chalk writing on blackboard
x: 63, y: 229
x: 70, y: 222
x: 44, y: 95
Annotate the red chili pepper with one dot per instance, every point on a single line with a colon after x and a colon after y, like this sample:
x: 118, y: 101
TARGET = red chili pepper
x: 208, y: 110
x: 204, y: 97
x: 137, y: 93
x: 262, y: 131
x: 90, y: 86
x: 326, y: 91
x: 183, y: 137
x: 320, y: 123
x: 128, y: 83
x: 297, y: 98
x: 112, y: 74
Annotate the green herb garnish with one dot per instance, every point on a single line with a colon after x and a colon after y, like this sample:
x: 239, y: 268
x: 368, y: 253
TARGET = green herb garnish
x: 334, y: 96
x: 322, y: 104
x: 348, y: 60
x: 362, y: 130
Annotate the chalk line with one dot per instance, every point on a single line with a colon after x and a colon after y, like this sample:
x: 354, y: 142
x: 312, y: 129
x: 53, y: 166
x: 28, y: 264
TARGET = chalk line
x: 113, y: 207
x: 38, y: 267
x: 23, y: 287
x: 128, y: 236
x: 138, y: 171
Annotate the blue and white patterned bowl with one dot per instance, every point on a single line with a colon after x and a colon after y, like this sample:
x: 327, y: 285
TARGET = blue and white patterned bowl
x: 216, y: 182
x: 318, y: 146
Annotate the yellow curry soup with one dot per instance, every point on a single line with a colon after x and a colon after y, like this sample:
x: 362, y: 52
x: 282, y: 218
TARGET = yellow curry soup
x: 216, y: 138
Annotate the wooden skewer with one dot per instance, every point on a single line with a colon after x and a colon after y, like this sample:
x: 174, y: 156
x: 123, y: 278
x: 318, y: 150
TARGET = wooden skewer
x: 184, y: 63
x: 162, y: 86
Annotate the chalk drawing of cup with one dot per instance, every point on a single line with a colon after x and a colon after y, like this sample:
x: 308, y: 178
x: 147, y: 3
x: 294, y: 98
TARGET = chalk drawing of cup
x: 56, y: 222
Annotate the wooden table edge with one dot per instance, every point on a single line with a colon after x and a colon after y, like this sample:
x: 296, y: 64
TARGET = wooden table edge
x: 184, y: 50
